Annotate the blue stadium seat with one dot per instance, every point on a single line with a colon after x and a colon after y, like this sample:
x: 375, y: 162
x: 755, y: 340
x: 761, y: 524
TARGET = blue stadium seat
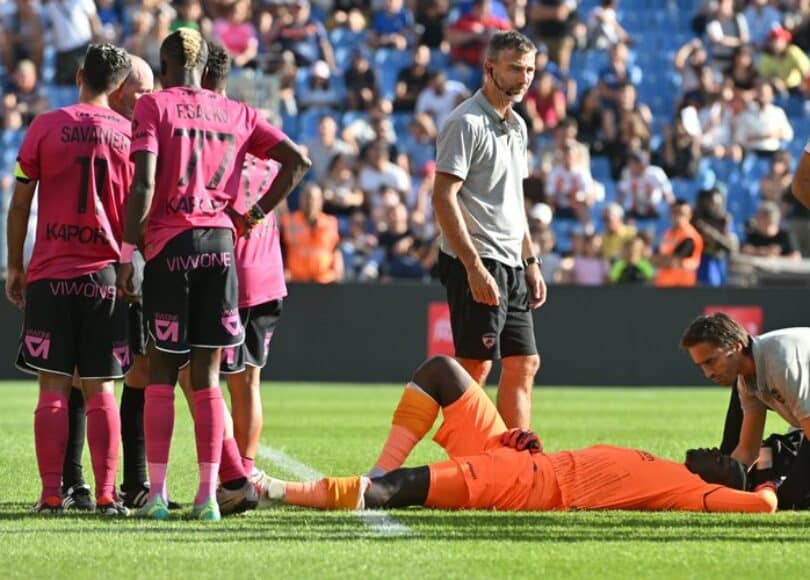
x: 388, y: 63
x: 343, y: 37
x: 308, y: 122
x: 600, y: 168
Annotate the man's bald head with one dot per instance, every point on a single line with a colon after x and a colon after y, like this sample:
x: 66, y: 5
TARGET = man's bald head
x: 141, y: 81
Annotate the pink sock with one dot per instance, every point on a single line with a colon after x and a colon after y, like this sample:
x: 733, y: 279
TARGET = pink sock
x: 248, y: 463
x: 209, y: 425
x: 231, y: 467
x: 158, y: 425
x: 104, y: 439
x: 50, y: 436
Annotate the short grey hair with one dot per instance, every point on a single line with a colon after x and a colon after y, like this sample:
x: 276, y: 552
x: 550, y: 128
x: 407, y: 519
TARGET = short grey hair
x: 770, y: 210
x: 613, y: 209
x: 508, y: 40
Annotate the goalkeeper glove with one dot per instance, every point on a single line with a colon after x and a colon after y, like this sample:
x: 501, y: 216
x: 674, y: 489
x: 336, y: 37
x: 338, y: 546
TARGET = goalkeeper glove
x: 522, y: 440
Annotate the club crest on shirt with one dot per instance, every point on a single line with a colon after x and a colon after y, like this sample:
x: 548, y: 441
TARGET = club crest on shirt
x: 488, y: 339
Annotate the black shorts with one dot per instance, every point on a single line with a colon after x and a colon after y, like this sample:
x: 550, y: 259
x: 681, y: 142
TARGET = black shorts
x: 75, y: 324
x: 483, y: 332
x: 191, y: 293
x: 260, y: 322
x: 138, y: 333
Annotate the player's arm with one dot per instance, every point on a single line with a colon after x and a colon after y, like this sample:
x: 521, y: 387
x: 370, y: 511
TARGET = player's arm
x: 801, y: 180
x: 294, y: 165
x: 16, y: 229
x: 451, y: 222
x: 753, y: 427
x: 138, y: 204
x: 725, y: 499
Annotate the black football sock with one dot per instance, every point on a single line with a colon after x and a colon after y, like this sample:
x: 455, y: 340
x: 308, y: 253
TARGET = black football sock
x: 72, y: 467
x: 132, y: 437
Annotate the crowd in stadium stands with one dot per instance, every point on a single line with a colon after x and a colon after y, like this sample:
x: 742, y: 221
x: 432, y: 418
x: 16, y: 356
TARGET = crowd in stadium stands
x: 663, y: 132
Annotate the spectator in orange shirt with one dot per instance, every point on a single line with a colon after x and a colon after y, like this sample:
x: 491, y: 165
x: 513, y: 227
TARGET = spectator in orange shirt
x: 311, y: 241
x: 678, y: 257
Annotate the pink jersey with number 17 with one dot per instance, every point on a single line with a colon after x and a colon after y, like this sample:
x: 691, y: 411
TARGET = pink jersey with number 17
x: 258, y: 256
x: 79, y: 155
x: 200, y: 139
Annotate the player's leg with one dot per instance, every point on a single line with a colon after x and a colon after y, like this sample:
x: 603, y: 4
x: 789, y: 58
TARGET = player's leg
x: 209, y: 411
x: 213, y: 298
x: 50, y: 438
x: 400, y: 488
x: 520, y: 361
x: 104, y: 439
x: 158, y: 423
x: 470, y: 419
x: 75, y: 492
x: 166, y: 307
x: 135, y: 488
x: 47, y: 346
x: 260, y: 322
x: 103, y: 351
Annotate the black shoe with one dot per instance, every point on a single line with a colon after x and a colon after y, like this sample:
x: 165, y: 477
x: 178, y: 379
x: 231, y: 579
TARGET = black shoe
x: 77, y: 498
x: 136, y: 498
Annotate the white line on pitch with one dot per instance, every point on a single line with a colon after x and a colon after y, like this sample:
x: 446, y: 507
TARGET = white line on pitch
x: 377, y: 521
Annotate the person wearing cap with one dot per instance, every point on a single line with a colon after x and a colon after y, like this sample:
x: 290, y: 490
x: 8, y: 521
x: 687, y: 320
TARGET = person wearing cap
x: 487, y: 261
x: 784, y: 64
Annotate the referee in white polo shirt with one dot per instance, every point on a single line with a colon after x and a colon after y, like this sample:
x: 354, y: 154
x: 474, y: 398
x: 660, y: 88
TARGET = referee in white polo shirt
x: 487, y: 262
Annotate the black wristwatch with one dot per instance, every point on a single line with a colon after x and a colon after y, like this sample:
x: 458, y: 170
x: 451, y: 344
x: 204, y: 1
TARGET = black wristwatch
x: 532, y: 260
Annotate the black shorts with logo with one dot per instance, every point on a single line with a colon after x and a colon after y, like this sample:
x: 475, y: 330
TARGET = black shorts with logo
x: 75, y: 323
x: 260, y: 322
x: 138, y: 333
x: 190, y: 292
x: 483, y: 332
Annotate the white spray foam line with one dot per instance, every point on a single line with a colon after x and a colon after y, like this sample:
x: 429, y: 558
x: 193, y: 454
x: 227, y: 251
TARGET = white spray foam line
x: 377, y: 521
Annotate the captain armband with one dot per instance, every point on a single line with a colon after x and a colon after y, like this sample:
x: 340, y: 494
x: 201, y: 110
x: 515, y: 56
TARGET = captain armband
x: 20, y: 175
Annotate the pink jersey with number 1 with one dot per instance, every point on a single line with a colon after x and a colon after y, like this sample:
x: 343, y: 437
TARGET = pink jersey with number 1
x: 258, y: 256
x: 200, y: 139
x: 80, y: 157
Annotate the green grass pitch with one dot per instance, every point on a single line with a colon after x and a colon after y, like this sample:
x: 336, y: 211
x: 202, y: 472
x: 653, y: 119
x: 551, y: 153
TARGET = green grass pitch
x: 338, y: 430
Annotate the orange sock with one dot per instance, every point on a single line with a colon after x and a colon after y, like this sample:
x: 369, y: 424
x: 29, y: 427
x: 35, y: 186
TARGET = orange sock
x: 306, y: 494
x: 346, y: 493
x: 413, y: 418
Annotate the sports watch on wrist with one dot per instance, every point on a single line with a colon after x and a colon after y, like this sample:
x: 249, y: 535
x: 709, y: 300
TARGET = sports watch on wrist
x: 532, y: 260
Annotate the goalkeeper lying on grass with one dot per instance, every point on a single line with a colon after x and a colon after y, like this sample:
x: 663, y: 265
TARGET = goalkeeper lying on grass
x: 491, y: 467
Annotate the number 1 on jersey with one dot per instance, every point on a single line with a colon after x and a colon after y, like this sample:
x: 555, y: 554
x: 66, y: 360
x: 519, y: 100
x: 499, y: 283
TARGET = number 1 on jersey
x: 99, y: 175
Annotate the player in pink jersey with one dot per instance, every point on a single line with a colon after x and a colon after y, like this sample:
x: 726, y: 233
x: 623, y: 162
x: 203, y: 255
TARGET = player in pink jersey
x: 201, y: 139
x: 261, y: 290
x: 77, y: 158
